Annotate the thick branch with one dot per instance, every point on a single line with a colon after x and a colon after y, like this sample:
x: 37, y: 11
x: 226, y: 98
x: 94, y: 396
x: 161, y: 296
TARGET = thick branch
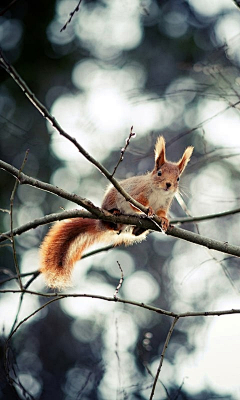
x: 102, y: 214
x: 27, y: 180
x: 135, y: 220
x: 223, y: 247
x: 96, y: 212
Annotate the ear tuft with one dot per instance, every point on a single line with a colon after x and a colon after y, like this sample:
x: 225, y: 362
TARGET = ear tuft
x: 160, y: 157
x: 182, y: 163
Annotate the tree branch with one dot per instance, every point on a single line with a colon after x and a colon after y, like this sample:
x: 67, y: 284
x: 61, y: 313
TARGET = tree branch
x: 123, y: 150
x: 205, y: 217
x: 11, y: 222
x: 223, y: 247
x: 162, y: 355
x: 97, y: 213
x: 7, y: 7
x: 27, y: 180
x: 76, y: 9
x: 138, y: 221
x: 158, y: 310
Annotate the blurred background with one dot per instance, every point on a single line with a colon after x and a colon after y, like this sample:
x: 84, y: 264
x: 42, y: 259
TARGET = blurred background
x: 168, y: 67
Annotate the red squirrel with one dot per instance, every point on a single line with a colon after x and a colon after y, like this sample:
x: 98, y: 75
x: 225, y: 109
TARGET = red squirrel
x: 67, y: 240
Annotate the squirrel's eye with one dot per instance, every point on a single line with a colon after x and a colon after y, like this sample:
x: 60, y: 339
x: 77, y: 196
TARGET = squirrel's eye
x: 178, y: 179
x: 159, y: 173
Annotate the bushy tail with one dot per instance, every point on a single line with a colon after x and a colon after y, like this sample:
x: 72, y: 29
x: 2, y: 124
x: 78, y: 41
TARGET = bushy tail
x: 64, y: 245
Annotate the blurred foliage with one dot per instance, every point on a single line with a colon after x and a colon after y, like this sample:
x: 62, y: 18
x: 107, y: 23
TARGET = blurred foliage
x: 59, y: 355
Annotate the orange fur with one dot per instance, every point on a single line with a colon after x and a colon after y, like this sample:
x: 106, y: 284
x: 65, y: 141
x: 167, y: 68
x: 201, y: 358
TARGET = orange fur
x: 109, y: 201
x: 67, y: 240
x: 60, y: 250
x: 142, y: 200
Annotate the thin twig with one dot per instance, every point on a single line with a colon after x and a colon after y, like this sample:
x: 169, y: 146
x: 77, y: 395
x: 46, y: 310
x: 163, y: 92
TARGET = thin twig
x: 179, y: 389
x: 7, y: 7
x: 129, y: 302
x: 13, y: 241
x: 34, y: 274
x: 6, y: 361
x: 4, y: 210
x: 120, y: 281
x: 131, y: 134
x: 205, y: 217
x: 118, y: 358
x: 18, y: 312
x: 11, y: 220
x: 162, y: 356
x: 84, y: 385
x: 71, y: 14
x: 105, y: 298
x: 181, y: 135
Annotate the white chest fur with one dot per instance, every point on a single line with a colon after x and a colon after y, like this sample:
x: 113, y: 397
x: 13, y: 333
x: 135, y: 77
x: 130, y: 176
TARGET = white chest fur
x: 160, y: 199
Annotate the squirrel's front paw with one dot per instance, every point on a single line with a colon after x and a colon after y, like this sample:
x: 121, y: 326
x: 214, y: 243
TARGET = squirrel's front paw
x: 164, y: 224
x: 150, y: 212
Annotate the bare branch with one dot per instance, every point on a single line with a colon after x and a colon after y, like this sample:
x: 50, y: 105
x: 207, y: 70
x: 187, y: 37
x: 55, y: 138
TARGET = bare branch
x: 37, y: 272
x: 34, y: 274
x: 76, y: 9
x: 204, y: 217
x: 162, y: 356
x: 11, y: 221
x: 213, y: 244
x: 7, y: 7
x: 105, y: 298
x: 120, y: 281
x: 55, y: 297
x: 4, y: 210
x: 138, y: 221
x: 131, y: 134
x: 181, y: 135
x: 158, y: 310
x: 27, y: 180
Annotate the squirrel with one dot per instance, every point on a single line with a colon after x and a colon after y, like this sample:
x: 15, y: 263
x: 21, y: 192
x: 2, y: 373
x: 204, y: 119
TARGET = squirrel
x: 63, y: 246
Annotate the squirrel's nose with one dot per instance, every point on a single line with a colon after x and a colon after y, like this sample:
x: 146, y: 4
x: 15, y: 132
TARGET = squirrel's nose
x: 168, y: 184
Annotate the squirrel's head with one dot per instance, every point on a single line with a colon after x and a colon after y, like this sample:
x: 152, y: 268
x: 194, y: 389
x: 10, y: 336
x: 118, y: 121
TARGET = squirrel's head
x: 166, y: 173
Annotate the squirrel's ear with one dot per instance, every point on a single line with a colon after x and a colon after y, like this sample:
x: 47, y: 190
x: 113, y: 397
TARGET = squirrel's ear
x: 160, y: 157
x: 185, y: 158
